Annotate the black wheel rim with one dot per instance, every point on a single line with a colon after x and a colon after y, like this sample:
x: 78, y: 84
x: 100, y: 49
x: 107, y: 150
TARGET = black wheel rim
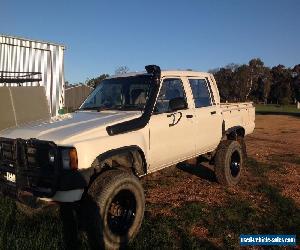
x: 235, y: 164
x: 121, y: 212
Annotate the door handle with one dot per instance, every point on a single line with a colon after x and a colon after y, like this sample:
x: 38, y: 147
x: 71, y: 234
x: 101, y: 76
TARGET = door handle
x: 189, y: 116
x: 213, y: 112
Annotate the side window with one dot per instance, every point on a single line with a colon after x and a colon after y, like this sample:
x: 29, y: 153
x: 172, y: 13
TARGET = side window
x: 171, y: 88
x: 200, y: 93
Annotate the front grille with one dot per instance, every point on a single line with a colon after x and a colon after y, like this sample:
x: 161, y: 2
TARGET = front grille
x: 31, y: 156
x: 29, y: 161
x: 40, y: 171
x: 7, y: 151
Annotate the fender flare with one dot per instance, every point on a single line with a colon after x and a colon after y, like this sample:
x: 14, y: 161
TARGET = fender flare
x: 234, y: 131
x: 140, y: 170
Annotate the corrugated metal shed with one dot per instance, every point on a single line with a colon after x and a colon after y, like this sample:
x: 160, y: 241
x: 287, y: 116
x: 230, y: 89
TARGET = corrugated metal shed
x: 75, y: 95
x: 39, y: 63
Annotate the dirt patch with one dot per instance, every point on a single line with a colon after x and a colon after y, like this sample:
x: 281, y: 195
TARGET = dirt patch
x: 278, y: 141
x: 274, y: 135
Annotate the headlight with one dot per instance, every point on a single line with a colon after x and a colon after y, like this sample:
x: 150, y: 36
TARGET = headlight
x: 69, y: 158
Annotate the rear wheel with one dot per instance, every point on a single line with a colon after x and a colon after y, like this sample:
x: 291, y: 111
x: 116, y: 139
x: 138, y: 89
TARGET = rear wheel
x: 229, y: 162
x: 115, y: 205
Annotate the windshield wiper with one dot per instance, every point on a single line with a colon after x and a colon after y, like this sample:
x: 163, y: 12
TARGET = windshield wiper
x: 89, y: 108
x: 128, y: 107
x: 98, y: 108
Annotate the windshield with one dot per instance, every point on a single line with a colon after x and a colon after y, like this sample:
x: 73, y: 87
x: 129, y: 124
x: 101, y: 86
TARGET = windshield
x: 123, y: 93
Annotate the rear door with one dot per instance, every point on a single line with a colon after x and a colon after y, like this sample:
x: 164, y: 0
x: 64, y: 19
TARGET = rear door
x: 171, y: 133
x: 208, y: 118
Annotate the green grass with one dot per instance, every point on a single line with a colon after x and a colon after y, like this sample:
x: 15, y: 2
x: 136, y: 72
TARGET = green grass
x: 18, y: 231
x: 273, y: 108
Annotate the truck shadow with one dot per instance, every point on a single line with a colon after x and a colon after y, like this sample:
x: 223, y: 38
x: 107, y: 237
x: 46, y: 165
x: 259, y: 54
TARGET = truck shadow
x: 68, y: 216
x: 199, y: 170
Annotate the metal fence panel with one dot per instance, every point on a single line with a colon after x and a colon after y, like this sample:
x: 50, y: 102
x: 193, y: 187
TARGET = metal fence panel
x: 7, y: 118
x: 21, y: 105
x: 30, y: 104
x: 74, y: 96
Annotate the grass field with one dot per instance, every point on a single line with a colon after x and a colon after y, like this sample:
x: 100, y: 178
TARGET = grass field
x: 273, y: 108
x: 187, y: 209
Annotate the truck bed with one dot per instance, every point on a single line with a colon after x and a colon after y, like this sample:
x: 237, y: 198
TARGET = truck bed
x: 239, y: 114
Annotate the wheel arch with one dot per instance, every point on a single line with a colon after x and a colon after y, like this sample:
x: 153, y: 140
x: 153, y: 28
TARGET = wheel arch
x: 233, y: 133
x: 129, y: 157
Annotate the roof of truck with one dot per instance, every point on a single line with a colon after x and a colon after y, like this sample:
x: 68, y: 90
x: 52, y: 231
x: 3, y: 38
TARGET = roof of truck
x: 186, y: 73
x: 183, y: 73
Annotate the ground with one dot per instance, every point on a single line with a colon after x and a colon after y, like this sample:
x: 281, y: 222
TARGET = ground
x: 187, y: 209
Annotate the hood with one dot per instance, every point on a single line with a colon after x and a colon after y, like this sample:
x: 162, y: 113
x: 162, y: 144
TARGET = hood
x: 60, y: 128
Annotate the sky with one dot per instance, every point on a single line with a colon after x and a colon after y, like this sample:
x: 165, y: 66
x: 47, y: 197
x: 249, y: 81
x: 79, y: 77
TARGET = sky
x: 100, y: 35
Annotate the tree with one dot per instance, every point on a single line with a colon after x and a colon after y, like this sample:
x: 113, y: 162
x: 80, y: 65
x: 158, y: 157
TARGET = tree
x: 261, y: 83
x: 281, y: 91
x: 121, y: 70
x: 232, y: 66
x: 256, y: 67
x: 296, y: 84
x: 94, y: 82
x: 225, y: 83
x: 257, y: 82
x: 264, y: 87
x: 242, y: 78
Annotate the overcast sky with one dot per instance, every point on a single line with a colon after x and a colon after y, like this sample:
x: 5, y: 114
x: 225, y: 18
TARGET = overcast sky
x: 201, y: 35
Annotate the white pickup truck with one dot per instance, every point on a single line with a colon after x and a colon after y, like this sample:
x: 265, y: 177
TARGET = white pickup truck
x: 130, y: 125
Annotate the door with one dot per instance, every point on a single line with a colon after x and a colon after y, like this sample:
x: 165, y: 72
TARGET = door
x: 208, y: 117
x: 171, y: 133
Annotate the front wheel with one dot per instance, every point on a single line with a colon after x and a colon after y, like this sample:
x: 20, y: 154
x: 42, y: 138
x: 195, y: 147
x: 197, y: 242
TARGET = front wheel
x: 115, y: 205
x: 229, y: 162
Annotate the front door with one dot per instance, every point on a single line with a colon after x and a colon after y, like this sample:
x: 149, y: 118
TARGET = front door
x: 172, y: 136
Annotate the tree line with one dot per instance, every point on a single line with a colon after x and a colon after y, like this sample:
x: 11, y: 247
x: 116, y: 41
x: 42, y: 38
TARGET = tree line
x: 256, y: 82
x: 247, y: 82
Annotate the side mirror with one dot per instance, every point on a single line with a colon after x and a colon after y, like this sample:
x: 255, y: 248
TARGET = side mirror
x: 177, y: 103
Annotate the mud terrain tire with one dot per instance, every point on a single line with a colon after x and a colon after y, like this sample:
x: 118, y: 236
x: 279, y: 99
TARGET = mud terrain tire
x: 229, y: 162
x: 115, y: 205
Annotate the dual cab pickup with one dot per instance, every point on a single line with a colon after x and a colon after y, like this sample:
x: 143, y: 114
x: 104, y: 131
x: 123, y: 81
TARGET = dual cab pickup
x: 130, y: 125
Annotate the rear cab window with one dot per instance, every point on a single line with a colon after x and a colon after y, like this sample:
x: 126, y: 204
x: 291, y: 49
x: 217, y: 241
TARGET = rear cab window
x: 202, y: 93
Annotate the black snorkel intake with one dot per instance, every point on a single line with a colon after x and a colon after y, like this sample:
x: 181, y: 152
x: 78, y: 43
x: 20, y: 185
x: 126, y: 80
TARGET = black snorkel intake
x: 142, y: 121
x: 154, y: 70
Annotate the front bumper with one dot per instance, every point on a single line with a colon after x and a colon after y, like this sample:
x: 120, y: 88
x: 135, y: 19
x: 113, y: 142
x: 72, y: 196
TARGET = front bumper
x: 36, y: 179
